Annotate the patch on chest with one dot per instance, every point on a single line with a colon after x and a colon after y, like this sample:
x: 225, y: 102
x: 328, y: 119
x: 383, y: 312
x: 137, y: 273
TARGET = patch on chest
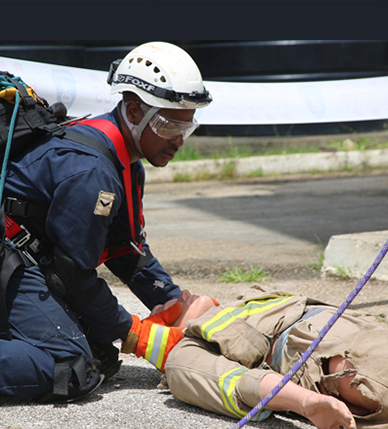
x: 104, y: 203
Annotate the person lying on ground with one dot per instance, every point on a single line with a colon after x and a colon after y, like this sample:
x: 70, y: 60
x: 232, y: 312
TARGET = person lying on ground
x: 233, y: 355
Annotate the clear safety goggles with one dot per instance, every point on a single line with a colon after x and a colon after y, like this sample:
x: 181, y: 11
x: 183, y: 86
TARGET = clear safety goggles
x: 170, y: 129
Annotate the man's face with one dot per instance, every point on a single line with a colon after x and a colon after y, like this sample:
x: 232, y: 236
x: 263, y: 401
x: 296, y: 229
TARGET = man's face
x: 193, y: 306
x: 160, y: 151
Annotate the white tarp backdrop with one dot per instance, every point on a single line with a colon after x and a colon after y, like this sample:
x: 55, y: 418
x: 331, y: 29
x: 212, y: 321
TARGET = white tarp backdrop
x: 85, y: 91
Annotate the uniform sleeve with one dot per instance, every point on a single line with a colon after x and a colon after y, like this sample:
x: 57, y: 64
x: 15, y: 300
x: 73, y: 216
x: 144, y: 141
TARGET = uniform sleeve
x: 107, y: 321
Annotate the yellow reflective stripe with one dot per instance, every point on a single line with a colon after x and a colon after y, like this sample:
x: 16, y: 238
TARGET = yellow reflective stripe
x: 227, y: 384
x: 227, y: 316
x: 157, y: 343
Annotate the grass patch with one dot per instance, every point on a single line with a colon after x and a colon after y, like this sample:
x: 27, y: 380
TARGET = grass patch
x: 182, y: 178
x: 241, y: 275
x: 187, y: 153
x: 317, y: 266
x: 341, y: 273
x: 256, y: 173
x: 234, y: 151
x: 228, y: 170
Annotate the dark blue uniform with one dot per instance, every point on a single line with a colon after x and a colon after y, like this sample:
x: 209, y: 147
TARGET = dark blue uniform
x: 87, y: 213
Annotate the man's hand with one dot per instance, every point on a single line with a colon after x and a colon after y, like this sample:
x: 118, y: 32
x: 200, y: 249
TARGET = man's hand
x: 152, y: 338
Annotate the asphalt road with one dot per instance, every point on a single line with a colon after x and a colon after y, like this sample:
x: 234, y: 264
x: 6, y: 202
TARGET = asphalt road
x: 271, y: 222
x: 198, y: 230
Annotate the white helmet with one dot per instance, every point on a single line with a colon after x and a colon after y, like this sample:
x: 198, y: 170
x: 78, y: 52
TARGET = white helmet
x: 162, y: 75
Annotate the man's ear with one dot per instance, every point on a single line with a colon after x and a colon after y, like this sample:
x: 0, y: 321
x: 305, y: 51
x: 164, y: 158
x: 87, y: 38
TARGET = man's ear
x: 134, y: 112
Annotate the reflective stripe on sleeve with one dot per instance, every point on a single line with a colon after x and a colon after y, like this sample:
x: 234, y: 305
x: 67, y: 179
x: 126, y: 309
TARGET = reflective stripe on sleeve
x: 228, y: 315
x: 157, y: 343
x: 227, y: 384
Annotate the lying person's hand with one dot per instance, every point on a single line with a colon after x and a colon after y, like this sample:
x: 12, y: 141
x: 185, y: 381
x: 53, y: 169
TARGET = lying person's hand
x: 327, y: 412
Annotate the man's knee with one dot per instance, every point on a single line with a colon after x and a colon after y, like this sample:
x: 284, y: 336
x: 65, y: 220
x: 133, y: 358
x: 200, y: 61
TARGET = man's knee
x: 29, y: 372
x: 25, y: 371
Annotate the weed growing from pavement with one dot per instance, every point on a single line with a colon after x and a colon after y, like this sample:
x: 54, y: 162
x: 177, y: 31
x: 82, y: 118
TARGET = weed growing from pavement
x: 228, y: 170
x: 317, y: 266
x: 341, y: 273
x: 256, y: 173
x: 241, y: 275
x: 181, y: 177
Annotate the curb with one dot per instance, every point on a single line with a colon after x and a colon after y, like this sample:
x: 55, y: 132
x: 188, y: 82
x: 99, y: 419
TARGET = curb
x: 268, y: 165
x: 354, y: 254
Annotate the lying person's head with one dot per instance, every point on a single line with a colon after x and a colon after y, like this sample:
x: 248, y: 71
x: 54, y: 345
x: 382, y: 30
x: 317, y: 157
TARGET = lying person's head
x: 193, y: 306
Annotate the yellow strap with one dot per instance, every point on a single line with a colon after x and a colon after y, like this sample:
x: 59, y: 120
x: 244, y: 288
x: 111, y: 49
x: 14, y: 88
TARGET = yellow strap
x: 8, y: 94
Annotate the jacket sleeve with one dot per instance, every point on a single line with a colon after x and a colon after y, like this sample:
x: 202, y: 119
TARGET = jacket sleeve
x: 107, y: 321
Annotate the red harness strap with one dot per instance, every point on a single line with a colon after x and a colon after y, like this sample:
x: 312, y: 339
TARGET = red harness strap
x: 12, y: 228
x: 114, y: 134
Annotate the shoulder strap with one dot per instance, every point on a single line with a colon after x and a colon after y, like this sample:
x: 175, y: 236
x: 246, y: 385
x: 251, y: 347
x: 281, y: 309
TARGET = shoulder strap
x: 107, y: 127
x: 90, y: 142
x: 114, y: 134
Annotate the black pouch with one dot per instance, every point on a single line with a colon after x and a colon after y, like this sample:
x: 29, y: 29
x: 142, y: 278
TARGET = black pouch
x: 74, y: 379
x: 61, y: 273
x: 63, y: 276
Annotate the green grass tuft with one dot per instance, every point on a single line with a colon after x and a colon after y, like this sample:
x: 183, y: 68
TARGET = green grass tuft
x: 240, y: 275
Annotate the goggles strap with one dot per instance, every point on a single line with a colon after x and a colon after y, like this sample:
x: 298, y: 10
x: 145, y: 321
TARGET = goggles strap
x: 137, y: 130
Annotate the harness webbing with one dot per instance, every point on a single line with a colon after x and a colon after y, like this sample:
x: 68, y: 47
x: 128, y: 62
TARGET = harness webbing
x: 116, y: 137
x: 302, y: 360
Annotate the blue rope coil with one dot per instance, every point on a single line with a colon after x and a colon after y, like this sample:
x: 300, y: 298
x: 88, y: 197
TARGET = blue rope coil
x: 8, y: 146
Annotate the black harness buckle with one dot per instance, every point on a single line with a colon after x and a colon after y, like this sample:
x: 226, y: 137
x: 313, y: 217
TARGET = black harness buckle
x: 15, y: 207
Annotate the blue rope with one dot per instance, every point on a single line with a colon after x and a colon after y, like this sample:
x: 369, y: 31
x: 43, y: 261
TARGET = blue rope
x: 8, y: 146
x: 316, y: 341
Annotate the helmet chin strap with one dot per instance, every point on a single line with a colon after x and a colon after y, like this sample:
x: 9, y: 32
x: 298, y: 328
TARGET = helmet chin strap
x: 137, y: 130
